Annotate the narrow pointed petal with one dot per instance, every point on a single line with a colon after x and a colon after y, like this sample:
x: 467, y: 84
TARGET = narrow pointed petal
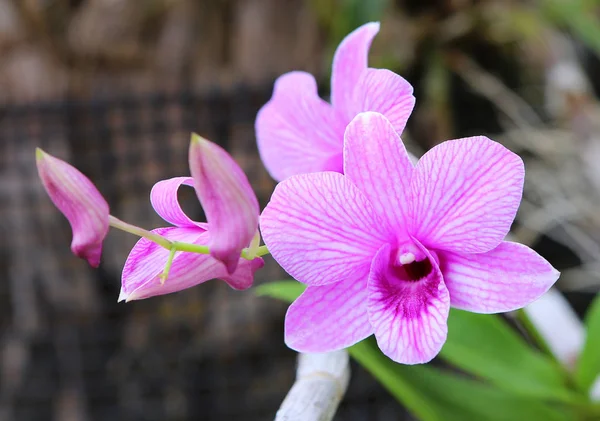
x: 387, y: 93
x: 146, y: 262
x: 81, y: 203
x: 296, y: 131
x: 228, y: 200
x: 409, y: 318
x: 327, y: 318
x: 465, y: 195
x: 350, y: 60
x: 377, y: 162
x: 164, y: 201
x: 504, y: 279
x: 321, y: 229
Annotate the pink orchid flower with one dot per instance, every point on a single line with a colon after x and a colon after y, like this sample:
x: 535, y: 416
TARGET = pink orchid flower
x: 232, y: 212
x: 81, y: 203
x: 388, y: 247
x: 298, y: 132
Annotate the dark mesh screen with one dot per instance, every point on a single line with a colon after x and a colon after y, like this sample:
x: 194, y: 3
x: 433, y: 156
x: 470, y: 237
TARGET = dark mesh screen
x: 68, y: 351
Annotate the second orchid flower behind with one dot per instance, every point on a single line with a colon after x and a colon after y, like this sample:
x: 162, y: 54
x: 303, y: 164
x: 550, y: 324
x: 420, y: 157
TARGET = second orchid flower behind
x: 297, y: 132
x: 232, y: 213
x: 388, y: 247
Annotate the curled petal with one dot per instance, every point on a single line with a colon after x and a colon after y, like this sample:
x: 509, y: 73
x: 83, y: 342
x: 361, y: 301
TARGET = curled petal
x: 465, y: 195
x: 296, y: 131
x: 387, y: 93
x: 228, y: 200
x: 377, y: 162
x: 164, y: 201
x: 409, y: 317
x: 321, y: 229
x: 146, y: 262
x: 503, y: 279
x: 349, y: 61
x: 329, y: 317
x: 81, y: 203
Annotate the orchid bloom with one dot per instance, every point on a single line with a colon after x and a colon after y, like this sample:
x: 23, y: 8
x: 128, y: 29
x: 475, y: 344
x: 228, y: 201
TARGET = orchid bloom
x: 232, y: 213
x: 81, y: 203
x: 388, y: 247
x: 298, y: 132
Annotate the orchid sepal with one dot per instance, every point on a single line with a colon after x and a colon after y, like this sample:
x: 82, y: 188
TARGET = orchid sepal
x: 230, y: 205
x: 81, y: 203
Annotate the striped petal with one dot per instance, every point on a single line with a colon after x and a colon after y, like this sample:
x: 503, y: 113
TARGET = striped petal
x: 466, y: 193
x: 227, y: 198
x: 350, y: 60
x: 81, y: 203
x: 327, y: 318
x: 321, y: 229
x: 164, y: 201
x: 387, y: 93
x: 146, y: 262
x: 504, y: 279
x: 377, y: 162
x: 296, y: 131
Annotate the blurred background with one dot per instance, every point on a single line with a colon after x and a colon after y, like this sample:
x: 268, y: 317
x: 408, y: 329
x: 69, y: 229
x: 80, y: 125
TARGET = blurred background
x: 116, y: 86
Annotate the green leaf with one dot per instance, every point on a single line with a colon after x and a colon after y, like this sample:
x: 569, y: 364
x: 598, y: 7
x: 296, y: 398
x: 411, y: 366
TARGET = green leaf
x: 483, y: 345
x: 287, y: 290
x: 579, y: 16
x: 430, y: 393
x: 350, y: 14
x: 436, y: 395
x: 588, y: 367
x: 486, y: 346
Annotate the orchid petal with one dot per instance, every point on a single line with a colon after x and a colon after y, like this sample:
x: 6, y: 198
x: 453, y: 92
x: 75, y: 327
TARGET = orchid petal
x: 146, y: 262
x: 504, y: 279
x: 349, y: 61
x: 228, y: 200
x: 377, y: 163
x: 409, y: 317
x: 465, y: 195
x: 81, y: 203
x: 296, y: 131
x: 387, y: 93
x: 164, y: 201
x: 321, y: 229
x: 327, y: 318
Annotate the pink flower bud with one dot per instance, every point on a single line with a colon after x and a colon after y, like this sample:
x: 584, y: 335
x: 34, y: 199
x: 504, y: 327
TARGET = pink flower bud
x: 81, y: 203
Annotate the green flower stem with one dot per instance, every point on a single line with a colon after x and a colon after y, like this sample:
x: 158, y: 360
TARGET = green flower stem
x: 174, y: 246
x: 167, y: 268
x: 192, y: 248
x: 262, y: 251
x: 140, y: 232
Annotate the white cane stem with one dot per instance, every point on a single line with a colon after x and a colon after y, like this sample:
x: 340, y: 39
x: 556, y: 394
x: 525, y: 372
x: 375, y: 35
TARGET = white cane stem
x: 321, y: 381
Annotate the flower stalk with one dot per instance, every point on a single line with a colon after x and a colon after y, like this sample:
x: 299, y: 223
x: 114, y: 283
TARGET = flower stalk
x: 175, y: 246
x: 167, y: 269
x: 140, y: 232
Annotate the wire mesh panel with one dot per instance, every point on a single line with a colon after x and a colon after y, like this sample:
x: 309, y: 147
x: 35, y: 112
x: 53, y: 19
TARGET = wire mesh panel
x: 69, y: 351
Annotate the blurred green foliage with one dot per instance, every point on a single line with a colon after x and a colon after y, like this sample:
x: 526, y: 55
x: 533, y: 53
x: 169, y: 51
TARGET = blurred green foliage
x: 588, y: 367
x: 427, y: 36
x: 511, y: 380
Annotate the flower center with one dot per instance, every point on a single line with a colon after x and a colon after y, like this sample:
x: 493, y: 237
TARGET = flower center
x: 411, y: 264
